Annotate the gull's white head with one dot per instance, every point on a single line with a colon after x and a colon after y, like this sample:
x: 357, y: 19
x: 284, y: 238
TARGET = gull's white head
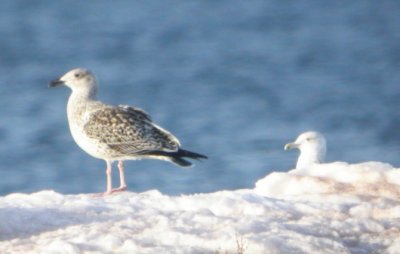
x: 312, y: 146
x: 80, y: 81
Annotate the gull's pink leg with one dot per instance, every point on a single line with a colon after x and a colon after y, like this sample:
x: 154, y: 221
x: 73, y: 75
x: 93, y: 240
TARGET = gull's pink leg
x: 109, y: 181
x: 121, y: 175
x: 109, y: 178
x: 122, y: 185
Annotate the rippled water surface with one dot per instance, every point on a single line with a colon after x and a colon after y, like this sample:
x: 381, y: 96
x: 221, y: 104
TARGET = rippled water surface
x: 235, y: 80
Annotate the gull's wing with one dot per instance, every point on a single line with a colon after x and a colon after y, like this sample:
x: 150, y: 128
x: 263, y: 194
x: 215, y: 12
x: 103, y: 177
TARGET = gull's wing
x: 136, y: 111
x: 129, y: 131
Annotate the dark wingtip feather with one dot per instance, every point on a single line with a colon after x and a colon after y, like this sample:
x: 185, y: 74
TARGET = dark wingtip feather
x: 189, y: 154
x: 181, y: 162
x: 177, y: 157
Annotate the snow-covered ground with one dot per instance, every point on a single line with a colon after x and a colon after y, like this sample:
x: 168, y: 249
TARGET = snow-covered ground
x: 328, y: 208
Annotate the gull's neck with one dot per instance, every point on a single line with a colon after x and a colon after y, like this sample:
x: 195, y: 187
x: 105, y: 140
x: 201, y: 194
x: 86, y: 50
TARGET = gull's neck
x: 310, y: 156
x: 84, y: 93
x: 79, y: 103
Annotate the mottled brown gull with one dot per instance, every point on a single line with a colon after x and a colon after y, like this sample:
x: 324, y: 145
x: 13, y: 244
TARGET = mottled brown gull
x: 116, y: 133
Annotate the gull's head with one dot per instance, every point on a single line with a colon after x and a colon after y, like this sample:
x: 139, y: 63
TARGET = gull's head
x: 79, y: 80
x: 312, y: 146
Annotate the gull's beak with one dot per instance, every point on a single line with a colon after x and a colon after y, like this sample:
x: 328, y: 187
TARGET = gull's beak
x: 290, y: 146
x: 56, y: 82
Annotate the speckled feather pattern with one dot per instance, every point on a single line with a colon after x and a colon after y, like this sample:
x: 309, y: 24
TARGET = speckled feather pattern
x: 127, y: 131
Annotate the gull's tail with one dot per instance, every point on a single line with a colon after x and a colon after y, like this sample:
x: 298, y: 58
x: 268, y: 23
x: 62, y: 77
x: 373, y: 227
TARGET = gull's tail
x: 178, y: 156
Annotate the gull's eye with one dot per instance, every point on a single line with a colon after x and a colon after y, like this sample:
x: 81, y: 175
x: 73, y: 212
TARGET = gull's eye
x: 308, y: 139
x: 77, y: 75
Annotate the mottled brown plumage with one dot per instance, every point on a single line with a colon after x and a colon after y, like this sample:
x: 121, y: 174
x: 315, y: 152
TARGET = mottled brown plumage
x: 116, y: 133
x: 128, y: 131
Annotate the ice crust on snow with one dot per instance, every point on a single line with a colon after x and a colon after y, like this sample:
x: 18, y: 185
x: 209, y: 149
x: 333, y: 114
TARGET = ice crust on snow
x: 327, y: 208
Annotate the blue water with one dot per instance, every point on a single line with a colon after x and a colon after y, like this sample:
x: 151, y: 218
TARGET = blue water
x: 235, y: 80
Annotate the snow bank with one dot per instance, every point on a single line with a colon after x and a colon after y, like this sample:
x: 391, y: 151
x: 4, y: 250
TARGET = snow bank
x: 329, y: 208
